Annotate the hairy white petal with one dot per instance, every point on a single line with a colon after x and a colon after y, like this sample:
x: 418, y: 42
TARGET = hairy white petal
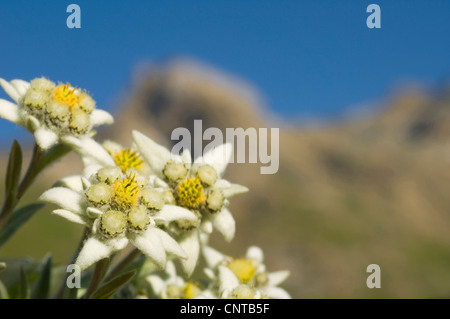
x: 233, y: 189
x: 70, y: 216
x: 277, y: 277
x: 186, y: 157
x: 91, y: 151
x: 100, y: 117
x: 191, y: 246
x: 204, y: 239
x: 227, y: 281
x: 170, y: 244
x: 224, y: 222
x: 89, y: 172
x: 218, y: 157
x: 10, y: 90
x: 93, y: 212
x: 65, y: 198
x: 171, y: 270
x: 118, y: 243
x: 209, y: 273
x: 170, y: 213
x: 93, y: 251
x: 21, y: 86
x: 9, y: 111
x: 155, y: 181
x: 158, y: 285
x: 212, y: 256
x: 72, y: 182
x: 31, y: 123
x: 255, y: 253
x: 276, y: 293
x: 206, y: 226
x: 156, y: 155
x: 45, y: 138
x: 150, y: 244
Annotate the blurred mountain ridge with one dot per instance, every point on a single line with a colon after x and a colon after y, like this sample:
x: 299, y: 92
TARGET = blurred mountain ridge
x: 368, y: 190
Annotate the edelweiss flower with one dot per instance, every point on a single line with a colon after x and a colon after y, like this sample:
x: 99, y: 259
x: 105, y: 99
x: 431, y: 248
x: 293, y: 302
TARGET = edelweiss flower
x: 118, y: 208
x: 51, y: 112
x: 197, y: 186
x: 175, y: 287
x: 245, y: 276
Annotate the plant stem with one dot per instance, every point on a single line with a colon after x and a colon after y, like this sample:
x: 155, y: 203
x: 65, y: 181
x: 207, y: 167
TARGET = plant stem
x: 32, y: 171
x: 99, y: 272
x: 123, y: 263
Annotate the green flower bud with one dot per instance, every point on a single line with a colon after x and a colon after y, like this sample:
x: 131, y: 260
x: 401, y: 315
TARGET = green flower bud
x: 57, y: 111
x: 215, y: 200
x: 138, y: 217
x: 152, y: 198
x: 113, y: 222
x: 243, y: 292
x: 174, y: 171
x: 207, y: 175
x: 42, y: 84
x: 87, y: 103
x: 99, y: 193
x: 36, y: 98
x: 79, y: 121
x: 109, y: 174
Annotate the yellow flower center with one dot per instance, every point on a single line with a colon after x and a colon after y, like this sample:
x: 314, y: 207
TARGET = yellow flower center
x: 66, y: 96
x: 190, y: 193
x: 244, y: 269
x: 127, y: 158
x: 191, y: 290
x: 138, y: 217
x: 126, y: 192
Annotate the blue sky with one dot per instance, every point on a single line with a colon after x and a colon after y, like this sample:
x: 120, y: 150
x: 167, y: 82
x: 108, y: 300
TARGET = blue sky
x: 307, y: 58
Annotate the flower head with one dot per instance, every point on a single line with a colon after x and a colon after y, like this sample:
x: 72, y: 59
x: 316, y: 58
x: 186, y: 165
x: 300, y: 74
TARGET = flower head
x: 197, y: 186
x: 172, y: 286
x: 118, y: 208
x: 245, y: 277
x: 51, y: 112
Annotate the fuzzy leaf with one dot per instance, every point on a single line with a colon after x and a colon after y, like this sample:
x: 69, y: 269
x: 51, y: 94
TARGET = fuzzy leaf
x: 24, y: 290
x: 42, y: 287
x: 112, y: 286
x: 2, y: 266
x: 13, y: 170
x: 17, y: 219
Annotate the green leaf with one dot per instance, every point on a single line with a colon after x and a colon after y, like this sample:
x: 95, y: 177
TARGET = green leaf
x: 42, y: 287
x: 112, y: 286
x: 17, y: 219
x: 2, y: 266
x: 53, y: 154
x: 24, y: 289
x: 3, y: 291
x: 13, y: 170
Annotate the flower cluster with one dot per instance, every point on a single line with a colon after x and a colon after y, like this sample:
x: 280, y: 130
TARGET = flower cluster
x: 49, y: 111
x: 226, y: 278
x: 165, y: 205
